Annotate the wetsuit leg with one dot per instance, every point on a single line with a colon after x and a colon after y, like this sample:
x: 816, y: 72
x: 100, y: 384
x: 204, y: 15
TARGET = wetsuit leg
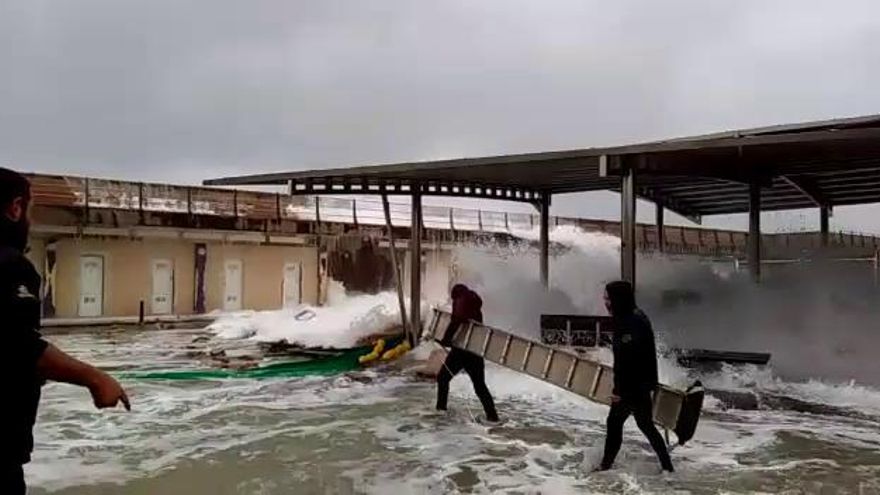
x: 642, y: 411
x: 12, y: 480
x: 614, y: 432
x: 451, y: 366
x: 476, y: 369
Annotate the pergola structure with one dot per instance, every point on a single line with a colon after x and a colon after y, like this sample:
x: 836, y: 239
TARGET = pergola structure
x: 816, y: 164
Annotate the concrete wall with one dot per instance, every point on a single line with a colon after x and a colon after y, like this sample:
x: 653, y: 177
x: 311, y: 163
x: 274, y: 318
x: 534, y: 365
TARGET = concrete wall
x: 263, y: 268
x: 128, y: 272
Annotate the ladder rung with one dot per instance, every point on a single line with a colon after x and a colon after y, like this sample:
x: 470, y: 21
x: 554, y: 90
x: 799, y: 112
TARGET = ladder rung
x: 547, y: 364
x: 525, y: 360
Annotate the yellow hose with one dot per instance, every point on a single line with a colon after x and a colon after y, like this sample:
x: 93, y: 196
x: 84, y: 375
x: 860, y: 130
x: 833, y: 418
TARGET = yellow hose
x: 376, y: 352
x: 398, y: 351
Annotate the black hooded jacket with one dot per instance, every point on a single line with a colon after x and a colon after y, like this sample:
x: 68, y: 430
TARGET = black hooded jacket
x: 19, y: 327
x: 635, y: 353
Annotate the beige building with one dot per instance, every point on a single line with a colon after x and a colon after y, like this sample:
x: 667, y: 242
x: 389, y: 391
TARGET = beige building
x: 94, y: 276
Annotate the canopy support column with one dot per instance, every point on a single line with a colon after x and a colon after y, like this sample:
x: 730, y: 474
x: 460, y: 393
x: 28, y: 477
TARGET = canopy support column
x: 754, y: 251
x: 545, y: 241
x: 661, y: 228
x: 416, y: 264
x: 824, y: 215
x: 628, y: 224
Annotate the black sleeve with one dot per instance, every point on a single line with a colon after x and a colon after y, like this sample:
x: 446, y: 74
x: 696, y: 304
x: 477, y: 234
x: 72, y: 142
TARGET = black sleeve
x: 20, y: 310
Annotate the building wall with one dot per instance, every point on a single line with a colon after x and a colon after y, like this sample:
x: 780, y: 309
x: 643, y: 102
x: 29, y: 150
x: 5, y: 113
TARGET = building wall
x: 128, y: 273
x: 263, y: 270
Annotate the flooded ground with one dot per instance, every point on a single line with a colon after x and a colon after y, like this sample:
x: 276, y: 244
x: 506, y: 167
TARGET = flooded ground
x: 372, y: 432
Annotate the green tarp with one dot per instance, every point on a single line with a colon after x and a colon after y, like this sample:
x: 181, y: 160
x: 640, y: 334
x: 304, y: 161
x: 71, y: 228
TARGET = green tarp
x: 346, y: 360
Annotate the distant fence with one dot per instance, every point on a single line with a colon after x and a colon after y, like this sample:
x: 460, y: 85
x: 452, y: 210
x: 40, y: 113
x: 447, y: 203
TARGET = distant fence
x: 89, y: 193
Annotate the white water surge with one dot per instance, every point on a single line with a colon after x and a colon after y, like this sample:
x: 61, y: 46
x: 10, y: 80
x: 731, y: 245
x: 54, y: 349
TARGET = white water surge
x: 341, y: 324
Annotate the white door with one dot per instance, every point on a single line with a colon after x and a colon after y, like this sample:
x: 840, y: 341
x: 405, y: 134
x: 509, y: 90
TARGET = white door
x: 162, y: 302
x: 291, y: 285
x: 91, y: 286
x: 232, y: 289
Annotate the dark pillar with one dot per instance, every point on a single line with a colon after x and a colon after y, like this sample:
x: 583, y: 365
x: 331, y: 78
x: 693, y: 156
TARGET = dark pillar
x: 416, y: 263
x: 755, y: 230
x: 201, y: 259
x: 628, y: 225
x: 544, y: 262
x: 824, y: 215
x: 661, y: 228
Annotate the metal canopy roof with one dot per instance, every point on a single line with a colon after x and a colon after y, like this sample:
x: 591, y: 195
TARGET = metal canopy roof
x: 826, y: 163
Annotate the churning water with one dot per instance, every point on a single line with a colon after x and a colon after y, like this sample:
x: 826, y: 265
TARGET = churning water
x: 763, y: 430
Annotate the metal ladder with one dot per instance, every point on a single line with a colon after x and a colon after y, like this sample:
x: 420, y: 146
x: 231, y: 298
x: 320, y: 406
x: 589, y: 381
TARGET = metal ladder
x: 674, y: 409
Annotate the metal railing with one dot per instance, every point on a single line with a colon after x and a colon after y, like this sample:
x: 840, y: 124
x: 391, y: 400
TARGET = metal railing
x: 89, y: 194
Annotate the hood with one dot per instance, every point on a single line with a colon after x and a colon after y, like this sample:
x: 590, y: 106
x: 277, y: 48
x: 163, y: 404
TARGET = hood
x: 622, y: 298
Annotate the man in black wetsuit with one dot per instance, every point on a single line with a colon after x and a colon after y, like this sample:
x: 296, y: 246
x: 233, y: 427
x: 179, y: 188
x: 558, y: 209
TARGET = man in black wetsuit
x: 466, y: 306
x: 635, y: 374
x: 29, y: 360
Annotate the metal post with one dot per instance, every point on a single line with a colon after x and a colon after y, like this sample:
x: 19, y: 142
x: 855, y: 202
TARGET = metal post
x: 88, y: 200
x: 480, y: 220
x: 415, y: 244
x: 661, y: 228
x: 545, y: 241
x: 354, y: 211
x: 754, y: 251
x: 451, y: 220
x: 141, y: 202
x: 824, y: 215
x: 877, y: 268
x: 318, y: 212
x: 398, y: 280
x: 628, y: 225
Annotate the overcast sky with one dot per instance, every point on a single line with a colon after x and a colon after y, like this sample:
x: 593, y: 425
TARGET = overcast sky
x: 180, y: 91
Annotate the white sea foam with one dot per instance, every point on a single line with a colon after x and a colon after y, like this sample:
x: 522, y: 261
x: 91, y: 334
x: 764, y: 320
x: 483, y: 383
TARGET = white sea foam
x: 340, y: 324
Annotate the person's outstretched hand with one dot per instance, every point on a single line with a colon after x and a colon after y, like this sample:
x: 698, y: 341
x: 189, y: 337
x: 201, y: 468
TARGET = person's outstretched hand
x: 54, y: 364
x: 107, y: 392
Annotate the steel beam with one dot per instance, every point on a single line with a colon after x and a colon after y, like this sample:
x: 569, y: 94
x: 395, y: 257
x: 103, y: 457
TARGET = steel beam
x: 824, y: 215
x: 808, y: 188
x: 359, y: 186
x: 661, y: 227
x: 416, y: 264
x: 628, y: 225
x: 544, y: 262
x: 754, y: 248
